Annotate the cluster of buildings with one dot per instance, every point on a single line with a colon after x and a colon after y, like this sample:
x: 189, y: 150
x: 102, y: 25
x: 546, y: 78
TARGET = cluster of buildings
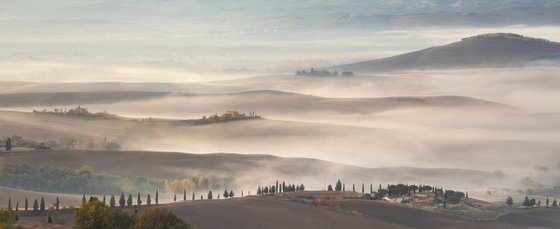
x: 419, y: 198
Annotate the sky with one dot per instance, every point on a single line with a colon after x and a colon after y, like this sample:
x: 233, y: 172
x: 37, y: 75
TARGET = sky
x: 186, y: 41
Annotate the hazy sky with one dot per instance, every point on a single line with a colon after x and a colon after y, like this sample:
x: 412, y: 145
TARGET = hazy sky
x: 207, y: 40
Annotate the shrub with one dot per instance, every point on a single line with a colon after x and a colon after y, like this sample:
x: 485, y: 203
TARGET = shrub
x: 159, y: 218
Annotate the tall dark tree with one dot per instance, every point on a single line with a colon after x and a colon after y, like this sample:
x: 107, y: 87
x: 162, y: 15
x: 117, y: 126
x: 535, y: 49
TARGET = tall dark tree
x: 26, y: 205
x: 370, y: 188
x: 36, y: 205
x: 555, y: 203
x: 174, y: 197
x: 104, y: 202
x: 185, y: 195
x: 363, y: 188
x: 338, y: 186
x: 526, y: 202
x: 122, y: 200
x: 343, y: 187
x: 193, y: 196
x: 547, y: 203
x: 42, y: 206
x: 241, y: 192
x: 283, y: 186
x: 149, y: 200
x: 210, y: 194
x: 129, y: 200
x: 157, y: 197
x: 353, y: 188
x: 9, y: 203
x: 17, y: 206
x: 226, y: 194
x: 84, y: 199
x: 509, y: 201
x: 112, y: 201
x: 139, y: 200
x: 231, y: 194
x: 57, y: 203
x: 8, y: 144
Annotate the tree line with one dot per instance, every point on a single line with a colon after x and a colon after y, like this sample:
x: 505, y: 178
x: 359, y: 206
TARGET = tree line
x: 533, y: 202
x: 279, y: 188
x: 10, y: 142
x: 65, y: 180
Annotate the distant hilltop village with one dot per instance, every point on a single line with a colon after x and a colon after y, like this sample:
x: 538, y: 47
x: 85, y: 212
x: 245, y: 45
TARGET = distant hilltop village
x: 225, y: 117
x: 313, y: 72
x: 77, y: 112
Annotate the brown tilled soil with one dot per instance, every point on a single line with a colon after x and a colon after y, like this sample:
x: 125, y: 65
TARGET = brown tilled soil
x: 269, y: 212
x: 256, y: 212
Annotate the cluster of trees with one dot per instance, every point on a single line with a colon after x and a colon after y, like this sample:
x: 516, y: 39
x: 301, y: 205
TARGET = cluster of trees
x: 37, y: 206
x: 198, y: 183
x: 324, y: 72
x: 96, y: 215
x: 84, y: 180
x: 63, y: 143
x: 280, y: 187
x: 533, y: 202
x: 448, y: 196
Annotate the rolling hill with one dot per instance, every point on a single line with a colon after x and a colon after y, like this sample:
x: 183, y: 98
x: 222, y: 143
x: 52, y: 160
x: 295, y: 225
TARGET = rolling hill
x: 248, y: 170
x: 482, y: 51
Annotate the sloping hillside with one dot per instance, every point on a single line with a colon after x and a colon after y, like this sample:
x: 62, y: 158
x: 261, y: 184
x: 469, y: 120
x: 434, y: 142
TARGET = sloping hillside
x: 482, y: 51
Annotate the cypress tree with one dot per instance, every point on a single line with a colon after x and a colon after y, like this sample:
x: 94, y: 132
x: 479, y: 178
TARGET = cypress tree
x: 555, y: 203
x: 84, y: 199
x: 148, y: 200
x: 338, y: 186
x: 193, y: 195
x: 241, y: 193
x: 122, y: 200
x: 104, y: 202
x: 353, y: 188
x: 363, y: 188
x: 157, y: 197
x: 226, y: 194
x: 231, y: 193
x: 17, y: 206
x: 112, y: 201
x: 9, y: 203
x: 343, y: 187
x: 57, y: 203
x: 547, y: 202
x: 370, y: 188
x: 42, y: 204
x: 509, y: 201
x: 185, y: 195
x: 210, y: 194
x: 174, y: 197
x: 139, y: 200
x: 35, y: 205
x: 129, y: 200
x: 526, y: 202
x: 8, y: 144
x: 26, y: 204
